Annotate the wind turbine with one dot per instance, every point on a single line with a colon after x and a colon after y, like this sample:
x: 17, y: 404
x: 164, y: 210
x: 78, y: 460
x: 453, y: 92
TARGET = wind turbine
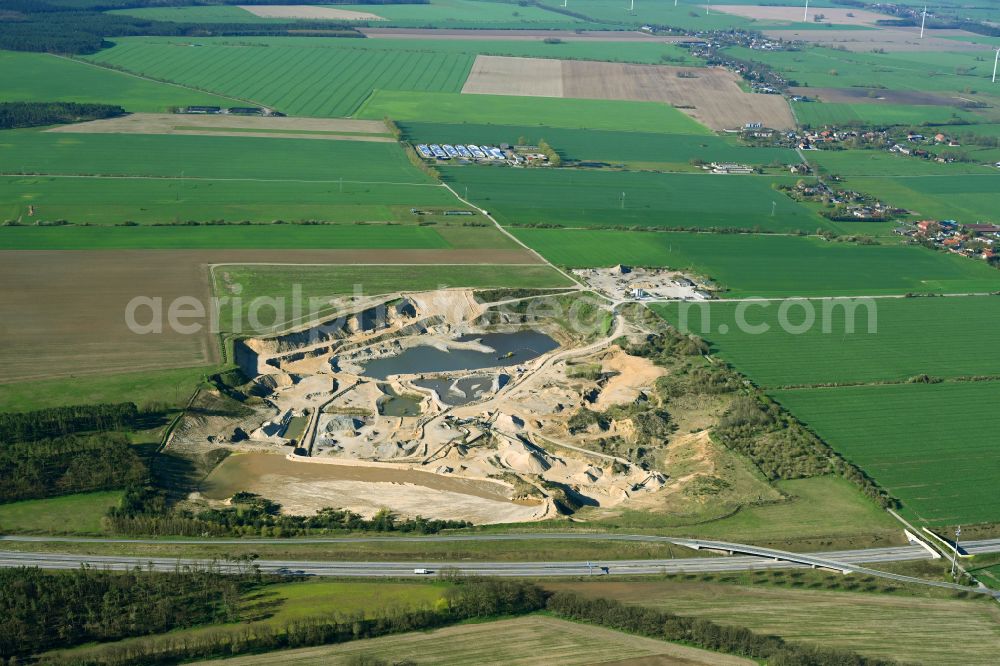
x: 995, y: 61
x: 805, y: 14
x: 564, y: 2
x: 631, y: 8
x: 923, y: 20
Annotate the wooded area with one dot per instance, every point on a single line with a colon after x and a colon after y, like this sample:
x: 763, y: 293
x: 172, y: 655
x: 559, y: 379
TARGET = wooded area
x: 60, y: 421
x: 35, y: 114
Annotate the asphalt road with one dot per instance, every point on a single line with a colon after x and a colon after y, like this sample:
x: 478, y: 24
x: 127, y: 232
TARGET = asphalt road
x: 763, y: 558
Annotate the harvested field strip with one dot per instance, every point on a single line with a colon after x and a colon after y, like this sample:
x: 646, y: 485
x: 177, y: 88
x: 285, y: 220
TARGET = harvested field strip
x: 529, y: 111
x: 604, y: 145
x: 769, y: 265
x: 834, y: 16
x: 324, y: 282
x: 897, y: 627
x: 710, y: 95
x: 589, y: 198
x: 906, y: 341
x: 308, y: 12
x: 292, y: 75
x: 529, y: 640
x: 926, y: 444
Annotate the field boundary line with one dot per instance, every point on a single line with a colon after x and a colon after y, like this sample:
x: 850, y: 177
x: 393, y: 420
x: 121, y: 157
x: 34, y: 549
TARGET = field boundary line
x: 6, y: 174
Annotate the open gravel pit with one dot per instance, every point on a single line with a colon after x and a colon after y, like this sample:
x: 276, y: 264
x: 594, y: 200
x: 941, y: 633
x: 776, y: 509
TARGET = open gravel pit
x: 304, y: 488
x: 493, y: 350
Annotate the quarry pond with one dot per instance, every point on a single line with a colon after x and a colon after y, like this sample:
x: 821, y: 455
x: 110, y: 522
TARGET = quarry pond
x: 507, y: 349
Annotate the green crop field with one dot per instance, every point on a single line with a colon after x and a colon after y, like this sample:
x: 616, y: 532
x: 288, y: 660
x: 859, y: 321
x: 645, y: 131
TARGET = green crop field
x: 967, y: 198
x: 214, y: 157
x: 294, y: 75
x: 439, y: 13
x: 529, y: 112
x: 880, y: 340
x: 69, y: 514
x: 323, y: 282
x: 884, y: 164
x: 820, y: 114
x: 931, y: 445
x: 769, y: 265
x: 928, y: 71
x: 40, y: 77
x: 674, y: 151
x: 588, y: 198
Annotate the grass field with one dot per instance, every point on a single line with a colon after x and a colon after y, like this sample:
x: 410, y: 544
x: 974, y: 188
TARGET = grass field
x: 529, y: 112
x: 929, y: 445
x: 925, y: 71
x: 324, y: 282
x: 291, y: 74
x: 819, y: 114
x: 40, y: 77
x: 170, y: 387
x: 883, y: 164
x: 213, y: 157
x: 896, y: 627
x: 70, y: 514
x: 967, y: 198
x: 768, y: 265
x: 589, y: 198
x: 520, y: 641
x: 144, y: 200
x: 439, y: 13
x: 909, y: 339
x: 646, y: 149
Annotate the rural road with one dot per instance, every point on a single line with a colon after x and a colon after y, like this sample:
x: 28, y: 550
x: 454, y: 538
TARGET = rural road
x: 848, y: 560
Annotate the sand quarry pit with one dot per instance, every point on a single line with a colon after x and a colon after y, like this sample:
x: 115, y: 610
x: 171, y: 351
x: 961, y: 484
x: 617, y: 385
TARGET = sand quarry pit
x: 272, y: 127
x: 438, y: 404
x: 309, y: 12
x: 794, y: 14
x: 710, y: 95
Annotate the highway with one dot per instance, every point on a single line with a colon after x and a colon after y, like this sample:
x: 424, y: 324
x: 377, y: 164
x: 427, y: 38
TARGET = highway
x: 847, y: 561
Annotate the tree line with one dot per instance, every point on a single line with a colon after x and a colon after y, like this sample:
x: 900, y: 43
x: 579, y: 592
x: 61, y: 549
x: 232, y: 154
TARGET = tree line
x: 41, y: 611
x: 144, y: 511
x: 60, y: 421
x: 70, y: 464
x: 34, y: 114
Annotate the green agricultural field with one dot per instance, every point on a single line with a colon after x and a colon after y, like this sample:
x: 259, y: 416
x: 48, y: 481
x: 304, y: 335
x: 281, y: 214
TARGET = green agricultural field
x: 69, y: 514
x: 891, y: 340
x: 293, y: 75
x: 230, y: 236
x: 901, y: 627
x: 769, y: 265
x: 318, y: 284
x: 590, y: 198
x: 820, y: 114
x: 40, y: 77
x: 881, y: 163
x: 664, y: 151
x: 172, y: 388
x: 930, y: 71
x: 967, y: 198
x: 931, y: 446
x: 439, y: 13
x: 210, y: 157
x: 586, y: 114
x: 81, y: 199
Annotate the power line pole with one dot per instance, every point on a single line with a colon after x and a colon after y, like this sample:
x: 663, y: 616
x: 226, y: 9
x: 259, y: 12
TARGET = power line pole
x: 623, y: 201
x: 954, y: 554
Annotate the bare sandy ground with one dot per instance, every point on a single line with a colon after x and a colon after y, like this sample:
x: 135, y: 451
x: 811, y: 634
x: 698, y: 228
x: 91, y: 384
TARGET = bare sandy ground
x: 67, y: 307
x: 522, y: 35
x: 710, y: 95
x: 890, y: 40
x: 794, y: 14
x: 233, y: 125
x: 309, y: 12
x: 634, y: 375
x: 303, y: 488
